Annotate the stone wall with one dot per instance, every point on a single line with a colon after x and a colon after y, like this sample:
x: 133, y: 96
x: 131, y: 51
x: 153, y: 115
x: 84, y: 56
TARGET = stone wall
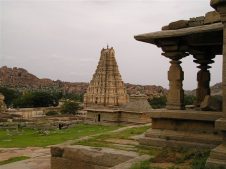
x: 81, y: 157
x: 28, y: 113
x: 103, y: 116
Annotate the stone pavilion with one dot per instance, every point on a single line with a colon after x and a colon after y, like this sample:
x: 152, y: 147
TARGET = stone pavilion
x: 202, y: 38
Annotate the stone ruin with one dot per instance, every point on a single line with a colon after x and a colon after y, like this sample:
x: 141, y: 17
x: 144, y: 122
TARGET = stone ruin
x: 106, y: 99
x: 82, y: 157
x: 203, y: 38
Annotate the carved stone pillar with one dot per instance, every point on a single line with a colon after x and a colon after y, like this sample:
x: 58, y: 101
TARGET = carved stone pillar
x: 218, y: 154
x: 175, y: 98
x: 203, y: 75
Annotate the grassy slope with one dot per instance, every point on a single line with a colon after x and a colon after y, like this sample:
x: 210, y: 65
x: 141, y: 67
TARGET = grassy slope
x: 14, y: 159
x: 30, y: 137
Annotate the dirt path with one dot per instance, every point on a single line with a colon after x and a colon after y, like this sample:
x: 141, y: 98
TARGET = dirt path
x: 40, y: 157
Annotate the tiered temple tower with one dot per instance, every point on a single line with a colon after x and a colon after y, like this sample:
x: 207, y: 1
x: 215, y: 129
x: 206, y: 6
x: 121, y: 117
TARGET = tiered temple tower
x: 106, y: 88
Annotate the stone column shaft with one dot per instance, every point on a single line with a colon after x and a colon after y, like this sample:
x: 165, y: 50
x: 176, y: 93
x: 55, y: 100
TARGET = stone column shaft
x: 203, y: 75
x: 175, y: 98
x: 224, y: 72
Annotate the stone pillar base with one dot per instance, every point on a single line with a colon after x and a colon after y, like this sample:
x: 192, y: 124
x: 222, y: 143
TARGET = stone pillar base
x: 175, y: 107
x: 183, y: 128
x: 217, y: 158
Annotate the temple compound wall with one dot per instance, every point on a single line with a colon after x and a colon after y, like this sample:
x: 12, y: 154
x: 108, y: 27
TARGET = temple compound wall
x: 28, y: 113
x: 106, y: 100
x: 202, y: 38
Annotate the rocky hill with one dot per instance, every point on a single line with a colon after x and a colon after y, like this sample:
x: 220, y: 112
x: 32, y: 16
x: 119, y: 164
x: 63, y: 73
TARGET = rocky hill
x: 215, y: 90
x: 21, y: 79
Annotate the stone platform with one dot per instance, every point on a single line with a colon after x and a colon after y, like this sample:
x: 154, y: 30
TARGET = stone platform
x: 83, y: 157
x: 185, y: 128
x: 217, y: 158
x: 111, y: 116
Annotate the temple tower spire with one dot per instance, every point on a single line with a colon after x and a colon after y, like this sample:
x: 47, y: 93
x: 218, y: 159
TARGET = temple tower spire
x: 106, y: 87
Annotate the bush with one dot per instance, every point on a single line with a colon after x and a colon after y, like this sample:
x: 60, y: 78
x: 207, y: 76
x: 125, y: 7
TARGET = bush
x: 189, y: 99
x: 10, y: 95
x: 37, y: 99
x: 51, y: 113
x: 69, y: 107
x: 74, y: 96
x: 141, y: 165
x: 158, y: 102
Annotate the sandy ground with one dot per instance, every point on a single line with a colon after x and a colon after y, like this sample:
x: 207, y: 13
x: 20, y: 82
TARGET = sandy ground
x: 40, y: 158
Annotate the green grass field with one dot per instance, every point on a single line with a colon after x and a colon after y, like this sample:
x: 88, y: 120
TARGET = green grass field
x: 33, y: 138
x: 14, y: 159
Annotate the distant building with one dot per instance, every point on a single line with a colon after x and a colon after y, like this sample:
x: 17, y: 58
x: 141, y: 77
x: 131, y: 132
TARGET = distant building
x: 106, y: 99
x: 106, y: 88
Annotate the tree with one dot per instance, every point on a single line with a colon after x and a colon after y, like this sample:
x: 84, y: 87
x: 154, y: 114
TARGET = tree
x: 37, y: 99
x: 74, y: 96
x: 10, y: 95
x: 158, y: 102
x: 69, y: 107
x: 189, y: 99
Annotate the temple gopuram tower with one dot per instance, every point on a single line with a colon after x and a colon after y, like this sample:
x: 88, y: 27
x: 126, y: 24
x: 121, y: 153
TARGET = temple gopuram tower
x: 106, y: 87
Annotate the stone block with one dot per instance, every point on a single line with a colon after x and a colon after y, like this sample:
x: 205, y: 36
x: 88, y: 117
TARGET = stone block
x: 94, y: 156
x: 178, y: 24
x: 60, y: 163
x: 197, y: 21
x: 82, y: 157
x: 212, y: 17
x: 166, y: 27
x: 57, y: 151
x: 217, y: 158
x: 211, y: 104
x: 220, y: 124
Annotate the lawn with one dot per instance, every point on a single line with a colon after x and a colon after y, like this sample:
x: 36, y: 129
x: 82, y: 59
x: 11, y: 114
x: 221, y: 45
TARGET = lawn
x: 34, y: 138
x: 14, y: 159
x: 161, y: 158
x: 100, y: 140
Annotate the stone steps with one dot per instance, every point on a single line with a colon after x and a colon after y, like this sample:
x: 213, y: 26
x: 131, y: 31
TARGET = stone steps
x: 158, y: 142
x: 201, y: 138
x: 217, y: 158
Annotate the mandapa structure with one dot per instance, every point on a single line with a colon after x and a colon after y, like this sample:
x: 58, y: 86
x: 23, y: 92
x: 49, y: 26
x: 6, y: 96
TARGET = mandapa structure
x: 202, y: 38
x: 106, y: 88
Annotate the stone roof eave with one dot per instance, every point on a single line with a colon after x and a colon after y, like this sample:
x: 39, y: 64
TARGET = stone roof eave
x: 153, y: 36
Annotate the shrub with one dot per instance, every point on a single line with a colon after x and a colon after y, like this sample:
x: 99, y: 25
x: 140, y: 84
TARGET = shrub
x: 158, y: 102
x: 51, y: 113
x: 37, y: 99
x: 189, y: 99
x: 69, y: 107
x: 10, y: 95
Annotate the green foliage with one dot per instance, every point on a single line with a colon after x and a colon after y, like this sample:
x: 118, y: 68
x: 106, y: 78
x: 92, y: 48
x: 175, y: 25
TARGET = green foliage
x: 141, y: 165
x: 13, y: 159
x: 69, y: 107
x: 158, y: 102
x: 74, y: 96
x: 37, y: 99
x: 199, y: 159
x: 51, y: 113
x: 31, y: 137
x: 10, y: 95
x: 99, y: 141
x: 189, y: 99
